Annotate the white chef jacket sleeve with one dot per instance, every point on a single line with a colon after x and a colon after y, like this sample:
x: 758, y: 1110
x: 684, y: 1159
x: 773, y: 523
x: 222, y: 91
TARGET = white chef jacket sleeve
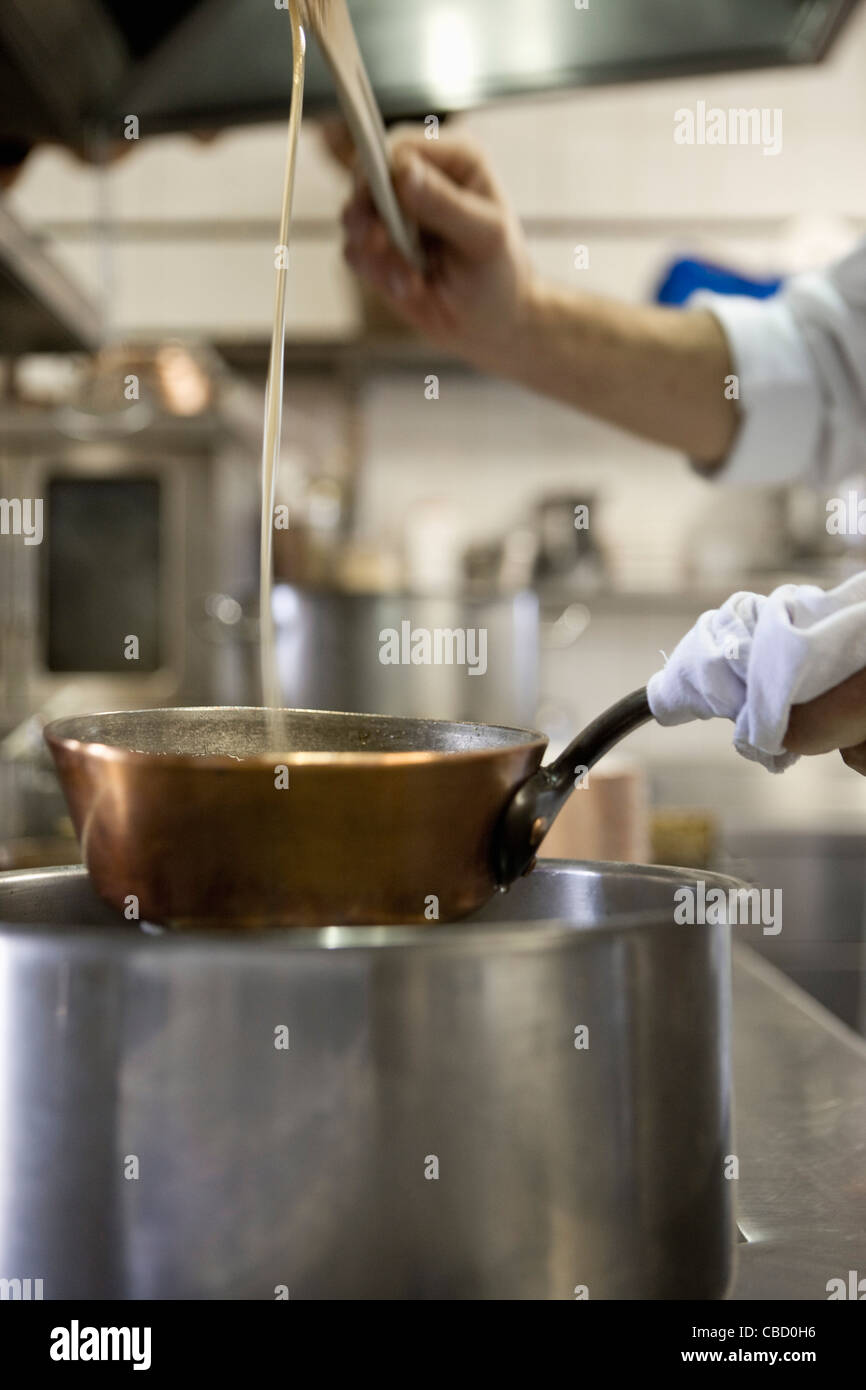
x: 800, y: 363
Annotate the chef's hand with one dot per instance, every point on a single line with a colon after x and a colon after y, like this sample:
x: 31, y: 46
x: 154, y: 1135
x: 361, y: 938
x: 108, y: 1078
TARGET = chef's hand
x: 481, y: 300
x: 836, y: 719
x: 759, y: 659
x: 478, y: 282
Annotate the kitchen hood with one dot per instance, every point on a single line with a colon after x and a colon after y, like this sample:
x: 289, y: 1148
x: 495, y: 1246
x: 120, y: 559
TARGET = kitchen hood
x: 69, y: 67
x: 226, y: 64
x: 72, y: 71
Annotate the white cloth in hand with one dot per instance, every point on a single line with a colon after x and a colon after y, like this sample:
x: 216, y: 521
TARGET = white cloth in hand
x: 755, y: 657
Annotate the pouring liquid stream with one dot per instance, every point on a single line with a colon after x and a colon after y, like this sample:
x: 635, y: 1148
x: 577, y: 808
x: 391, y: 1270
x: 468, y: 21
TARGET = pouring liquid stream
x: 270, y: 684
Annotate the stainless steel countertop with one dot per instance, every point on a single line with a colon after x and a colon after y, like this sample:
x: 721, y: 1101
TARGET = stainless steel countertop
x: 800, y: 1136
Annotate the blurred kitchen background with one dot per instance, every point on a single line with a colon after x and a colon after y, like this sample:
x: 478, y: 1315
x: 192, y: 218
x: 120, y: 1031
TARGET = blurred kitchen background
x: 136, y: 290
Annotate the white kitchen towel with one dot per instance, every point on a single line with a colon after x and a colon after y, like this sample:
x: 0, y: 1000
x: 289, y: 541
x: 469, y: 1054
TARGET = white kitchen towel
x: 755, y: 657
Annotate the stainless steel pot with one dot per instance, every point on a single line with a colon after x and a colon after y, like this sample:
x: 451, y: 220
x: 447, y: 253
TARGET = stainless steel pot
x: 329, y: 647
x: 430, y: 1131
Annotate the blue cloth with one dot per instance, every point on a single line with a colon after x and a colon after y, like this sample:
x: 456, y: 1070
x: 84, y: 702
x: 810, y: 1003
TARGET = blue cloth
x: 685, y: 277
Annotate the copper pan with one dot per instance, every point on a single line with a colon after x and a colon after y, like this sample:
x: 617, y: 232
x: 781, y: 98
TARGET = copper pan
x: 278, y: 818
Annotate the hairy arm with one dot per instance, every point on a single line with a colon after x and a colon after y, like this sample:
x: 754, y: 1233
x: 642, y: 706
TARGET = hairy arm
x: 657, y: 372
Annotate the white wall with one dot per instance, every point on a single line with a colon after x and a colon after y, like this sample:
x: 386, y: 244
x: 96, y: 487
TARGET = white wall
x: 488, y: 450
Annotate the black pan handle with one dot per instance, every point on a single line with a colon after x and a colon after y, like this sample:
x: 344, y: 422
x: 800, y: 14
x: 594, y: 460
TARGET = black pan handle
x: 534, y: 807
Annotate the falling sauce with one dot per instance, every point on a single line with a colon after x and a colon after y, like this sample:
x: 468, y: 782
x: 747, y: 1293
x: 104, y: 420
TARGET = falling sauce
x: 271, y: 697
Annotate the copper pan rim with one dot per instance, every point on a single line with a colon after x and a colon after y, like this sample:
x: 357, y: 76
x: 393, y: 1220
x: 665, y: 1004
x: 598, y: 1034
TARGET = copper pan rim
x: 217, y: 762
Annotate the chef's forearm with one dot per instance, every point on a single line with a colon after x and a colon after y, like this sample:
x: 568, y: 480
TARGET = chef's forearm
x: 659, y: 373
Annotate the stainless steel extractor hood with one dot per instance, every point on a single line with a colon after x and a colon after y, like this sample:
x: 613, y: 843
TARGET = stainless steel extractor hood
x: 229, y: 62
x: 72, y: 70
x: 68, y: 67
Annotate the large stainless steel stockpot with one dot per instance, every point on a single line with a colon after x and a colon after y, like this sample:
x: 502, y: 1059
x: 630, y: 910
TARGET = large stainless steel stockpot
x: 368, y: 1112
